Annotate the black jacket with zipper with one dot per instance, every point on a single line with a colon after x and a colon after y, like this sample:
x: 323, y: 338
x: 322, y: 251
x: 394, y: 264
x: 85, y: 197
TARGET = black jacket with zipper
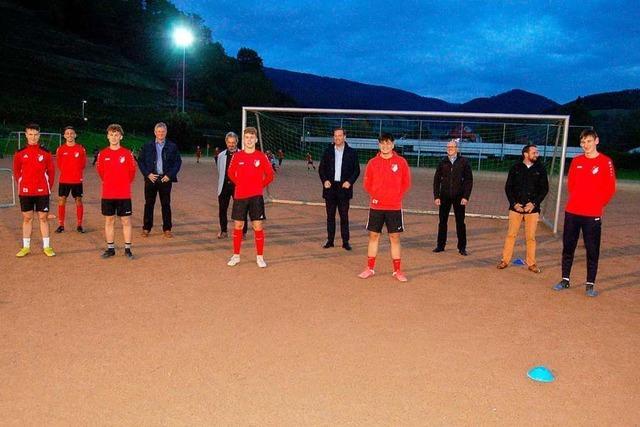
x: 453, y: 180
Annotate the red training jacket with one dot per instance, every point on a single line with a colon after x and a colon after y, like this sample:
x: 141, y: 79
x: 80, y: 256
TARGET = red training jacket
x: 71, y: 162
x: 117, y: 169
x: 250, y: 173
x: 592, y: 184
x: 34, y: 171
x: 386, y: 181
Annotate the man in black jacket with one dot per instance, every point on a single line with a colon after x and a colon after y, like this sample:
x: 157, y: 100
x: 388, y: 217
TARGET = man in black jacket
x: 452, y: 185
x: 339, y: 169
x: 159, y: 161
x: 526, y: 187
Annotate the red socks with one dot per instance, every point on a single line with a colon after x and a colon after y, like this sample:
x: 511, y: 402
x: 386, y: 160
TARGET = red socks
x: 371, y: 262
x: 396, y: 265
x: 61, y: 213
x: 237, y: 241
x: 80, y: 213
x: 259, y: 236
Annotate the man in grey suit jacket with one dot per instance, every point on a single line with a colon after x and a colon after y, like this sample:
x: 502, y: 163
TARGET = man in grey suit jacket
x: 225, y: 185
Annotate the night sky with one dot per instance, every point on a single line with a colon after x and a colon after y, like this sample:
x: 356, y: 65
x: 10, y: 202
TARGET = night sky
x: 452, y: 50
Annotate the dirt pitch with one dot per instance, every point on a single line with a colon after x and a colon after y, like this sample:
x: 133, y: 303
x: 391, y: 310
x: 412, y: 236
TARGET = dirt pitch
x: 176, y: 337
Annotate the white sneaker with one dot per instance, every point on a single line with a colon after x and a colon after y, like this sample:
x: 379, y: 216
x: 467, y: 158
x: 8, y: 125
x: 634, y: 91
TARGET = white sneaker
x: 234, y: 260
x: 260, y: 261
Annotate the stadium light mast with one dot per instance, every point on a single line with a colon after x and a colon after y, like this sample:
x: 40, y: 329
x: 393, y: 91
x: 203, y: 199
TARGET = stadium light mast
x: 84, y: 102
x: 183, y: 37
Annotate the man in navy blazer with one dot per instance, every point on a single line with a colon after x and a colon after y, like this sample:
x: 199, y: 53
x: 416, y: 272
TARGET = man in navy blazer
x: 159, y: 162
x: 339, y: 169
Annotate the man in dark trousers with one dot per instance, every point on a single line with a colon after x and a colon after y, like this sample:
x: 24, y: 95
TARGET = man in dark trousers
x: 526, y: 187
x: 452, y: 186
x: 226, y: 187
x: 159, y: 162
x: 339, y: 169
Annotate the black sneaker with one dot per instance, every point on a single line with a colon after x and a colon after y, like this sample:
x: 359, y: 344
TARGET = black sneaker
x: 438, y: 249
x: 346, y: 246
x: 60, y: 229
x: 590, y: 291
x: 463, y: 252
x: 561, y: 285
x: 128, y: 253
x: 109, y: 253
x: 79, y: 229
x: 328, y: 245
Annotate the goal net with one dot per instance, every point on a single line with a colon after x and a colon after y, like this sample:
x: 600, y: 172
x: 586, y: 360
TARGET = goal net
x: 491, y: 142
x: 7, y: 189
x: 16, y: 140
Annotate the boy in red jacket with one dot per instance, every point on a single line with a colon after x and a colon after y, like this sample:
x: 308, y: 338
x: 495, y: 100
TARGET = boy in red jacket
x: 71, y: 159
x: 117, y: 169
x: 591, y: 185
x: 386, y: 179
x: 250, y: 171
x: 34, y: 173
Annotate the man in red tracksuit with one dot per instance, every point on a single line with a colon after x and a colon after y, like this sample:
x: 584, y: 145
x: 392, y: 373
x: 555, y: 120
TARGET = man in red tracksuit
x: 117, y: 169
x: 591, y: 185
x: 386, y: 179
x: 250, y: 171
x: 71, y: 159
x: 34, y: 173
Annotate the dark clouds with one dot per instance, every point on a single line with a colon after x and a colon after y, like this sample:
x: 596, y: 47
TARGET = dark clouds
x: 453, y: 50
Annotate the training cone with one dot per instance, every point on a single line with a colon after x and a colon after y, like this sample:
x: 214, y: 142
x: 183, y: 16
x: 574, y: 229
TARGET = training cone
x: 541, y: 374
x: 518, y: 261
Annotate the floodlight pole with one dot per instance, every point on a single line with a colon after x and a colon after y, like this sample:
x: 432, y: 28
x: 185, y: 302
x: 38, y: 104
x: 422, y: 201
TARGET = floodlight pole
x: 83, y: 104
x: 184, y: 65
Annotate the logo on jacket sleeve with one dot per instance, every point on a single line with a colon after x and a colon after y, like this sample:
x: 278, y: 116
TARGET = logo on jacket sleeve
x: 256, y: 163
x: 122, y: 159
x: 394, y: 167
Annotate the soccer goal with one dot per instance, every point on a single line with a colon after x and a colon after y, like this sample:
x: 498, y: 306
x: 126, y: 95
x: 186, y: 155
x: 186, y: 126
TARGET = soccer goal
x: 492, y: 143
x: 7, y: 189
x: 16, y: 140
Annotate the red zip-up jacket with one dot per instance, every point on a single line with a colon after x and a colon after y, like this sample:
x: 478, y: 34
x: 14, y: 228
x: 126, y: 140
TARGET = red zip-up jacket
x: 34, y: 171
x: 250, y: 173
x: 386, y: 181
x: 592, y: 184
x: 71, y: 162
x: 117, y: 169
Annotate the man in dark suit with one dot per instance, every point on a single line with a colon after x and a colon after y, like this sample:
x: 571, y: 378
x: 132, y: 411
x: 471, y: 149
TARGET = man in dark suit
x: 339, y: 169
x: 159, y: 162
x: 452, y: 186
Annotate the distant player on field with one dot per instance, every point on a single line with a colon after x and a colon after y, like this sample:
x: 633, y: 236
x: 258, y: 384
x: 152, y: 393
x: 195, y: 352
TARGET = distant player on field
x: 71, y: 159
x: 591, y: 185
x: 34, y: 172
x: 251, y: 172
x: 117, y: 169
x: 386, y: 179
x: 309, y: 162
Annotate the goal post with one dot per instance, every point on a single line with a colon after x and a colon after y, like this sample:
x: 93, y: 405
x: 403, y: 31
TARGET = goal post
x: 7, y: 188
x: 16, y: 140
x: 492, y: 143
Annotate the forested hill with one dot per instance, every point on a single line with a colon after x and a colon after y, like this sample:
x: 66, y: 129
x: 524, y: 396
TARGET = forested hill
x: 119, y: 57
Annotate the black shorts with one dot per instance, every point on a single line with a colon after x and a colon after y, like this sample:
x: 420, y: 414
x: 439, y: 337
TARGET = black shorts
x: 120, y: 207
x: 392, y: 219
x: 34, y: 203
x: 254, y: 206
x: 75, y: 190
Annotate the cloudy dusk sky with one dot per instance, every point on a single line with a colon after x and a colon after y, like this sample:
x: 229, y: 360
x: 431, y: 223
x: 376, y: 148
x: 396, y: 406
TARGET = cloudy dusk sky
x: 452, y: 50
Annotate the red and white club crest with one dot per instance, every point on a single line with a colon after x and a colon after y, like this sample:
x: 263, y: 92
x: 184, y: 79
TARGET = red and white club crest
x: 122, y: 159
x: 595, y: 170
x: 256, y: 163
x: 394, y: 167
x: 40, y: 157
x: 77, y: 155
